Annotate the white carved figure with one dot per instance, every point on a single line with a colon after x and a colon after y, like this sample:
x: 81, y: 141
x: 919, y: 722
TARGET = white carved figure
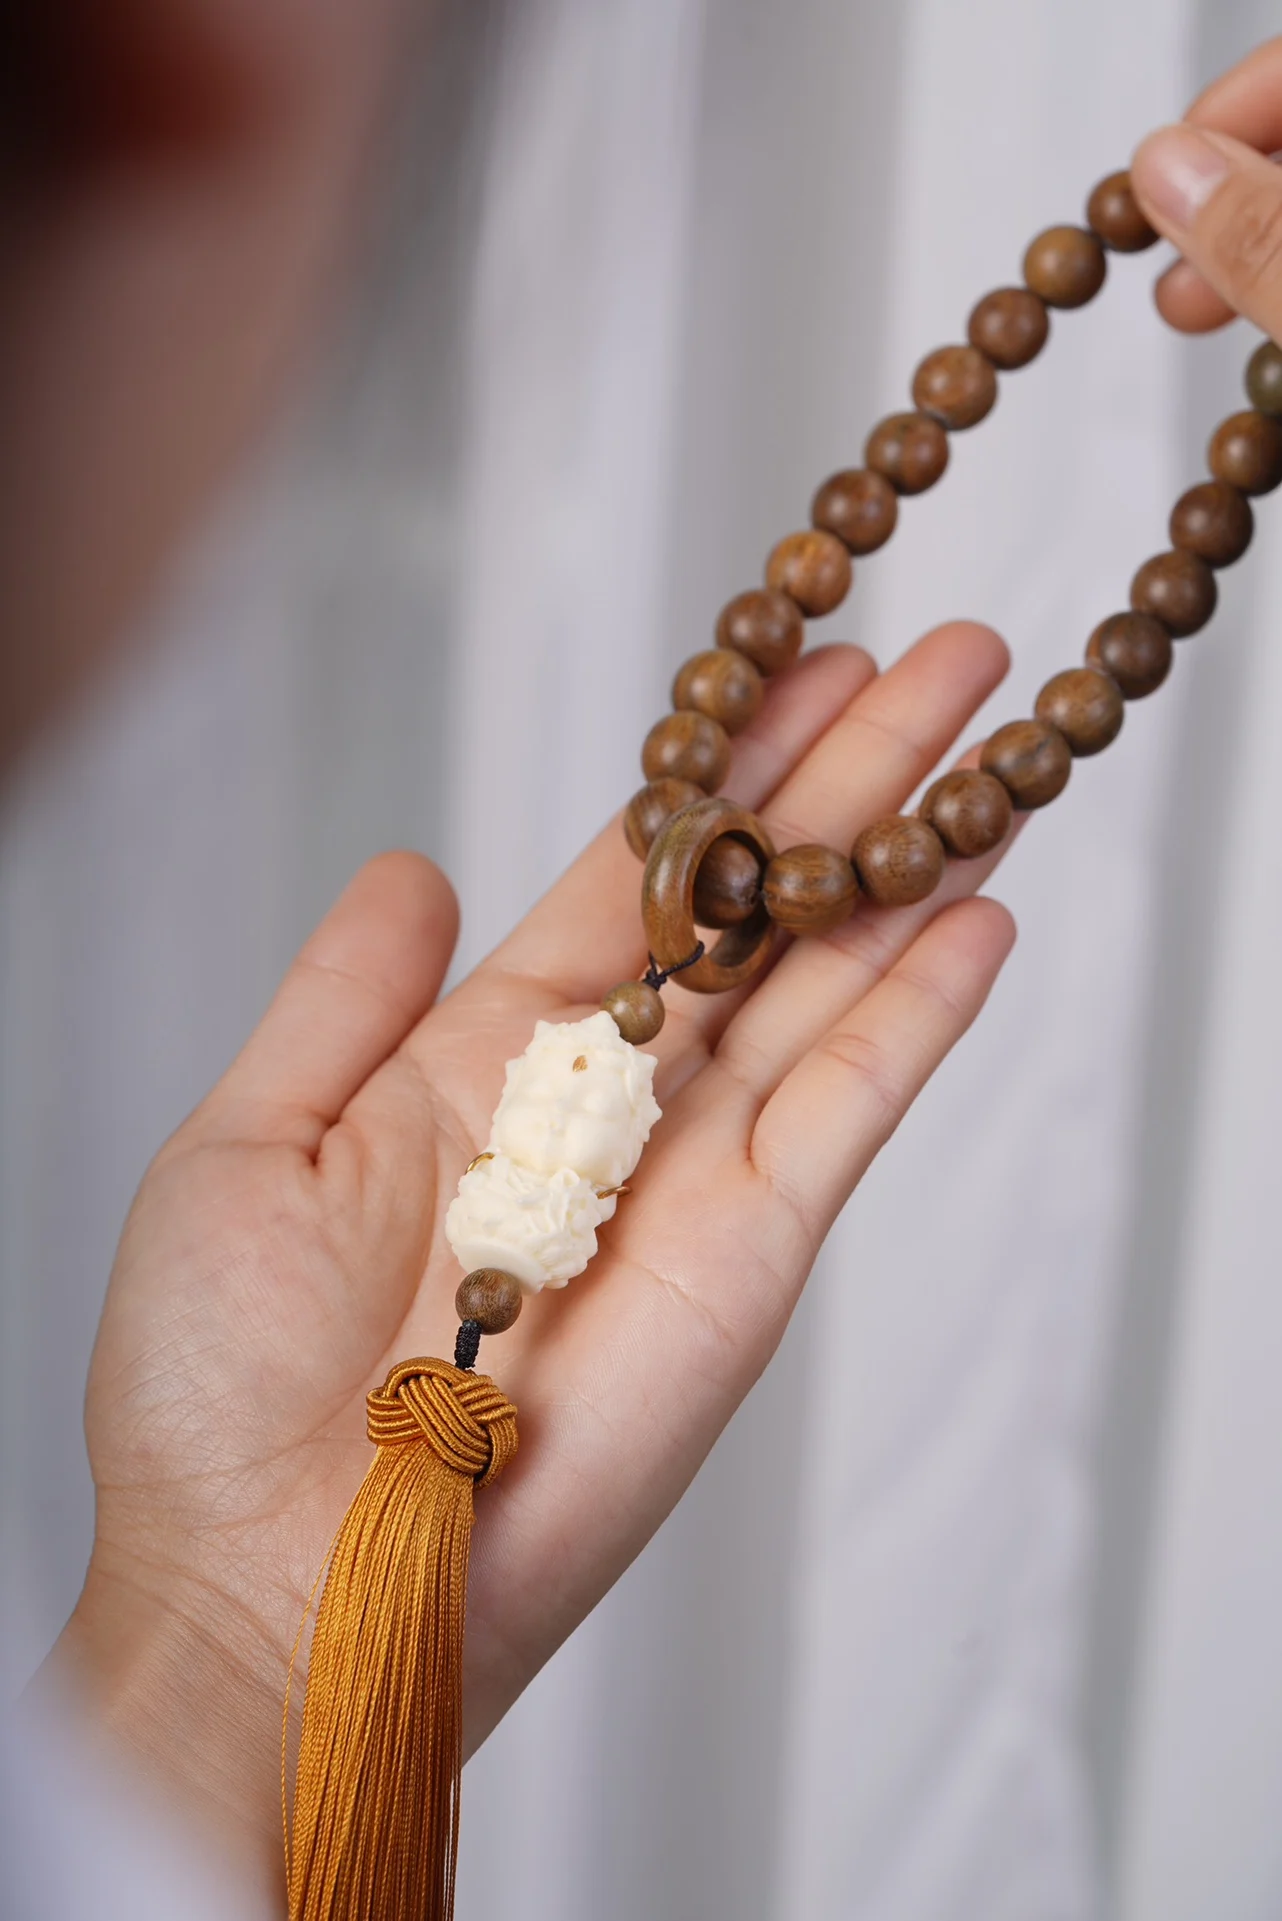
x: 539, y: 1227
x: 576, y: 1111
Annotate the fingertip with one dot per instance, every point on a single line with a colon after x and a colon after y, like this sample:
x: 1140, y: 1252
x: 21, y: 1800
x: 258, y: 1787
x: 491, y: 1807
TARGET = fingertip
x: 1187, y: 302
x: 407, y: 886
x: 981, y: 645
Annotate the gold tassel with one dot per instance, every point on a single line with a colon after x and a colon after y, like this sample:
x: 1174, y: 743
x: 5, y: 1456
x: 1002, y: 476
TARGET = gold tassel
x: 374, y: 1835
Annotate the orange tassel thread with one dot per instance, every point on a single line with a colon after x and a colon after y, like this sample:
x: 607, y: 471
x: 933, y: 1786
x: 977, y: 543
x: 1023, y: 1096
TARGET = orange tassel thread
x: 374, y: 1835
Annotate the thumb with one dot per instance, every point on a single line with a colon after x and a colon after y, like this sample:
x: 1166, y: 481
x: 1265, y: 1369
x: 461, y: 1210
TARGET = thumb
x: 1221, y: 204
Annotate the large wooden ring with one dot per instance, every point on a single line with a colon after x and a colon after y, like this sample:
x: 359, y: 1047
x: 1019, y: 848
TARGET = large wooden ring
x: 667, y: 896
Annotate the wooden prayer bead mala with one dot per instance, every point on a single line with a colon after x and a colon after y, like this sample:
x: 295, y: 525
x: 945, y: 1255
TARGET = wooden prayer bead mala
x: 702, y: 873
x: 578, y: 1106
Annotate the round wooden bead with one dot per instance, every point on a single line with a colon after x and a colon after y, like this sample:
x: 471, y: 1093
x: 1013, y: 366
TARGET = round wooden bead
x: 1136, y: 649
x: 765, y: 626
x: 1114, y: 214
x: 859, y: 506
x: 1065, y: 266
x: 651, y: 806
x: 727, y: 886
x: 911, y: 450
x: 813, y: 568
x: 687, y: 746
x: 1246, y: 450
x: 1213, y: 521
x: 956, y: 386
x: 809, y: 890
x: 1030, y: 759
x: 489, y: 1297
x: 969, y: 810
x: 723, y: 684
x: 1086, y: 706
x: 1178, y: 589
x: 636, y: 1009
x: 899, y: 860
x: 1264, y: 378
x: 1010, y: 326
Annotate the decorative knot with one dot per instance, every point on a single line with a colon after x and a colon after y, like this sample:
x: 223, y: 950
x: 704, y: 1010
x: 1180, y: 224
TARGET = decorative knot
x: 462, y: 1416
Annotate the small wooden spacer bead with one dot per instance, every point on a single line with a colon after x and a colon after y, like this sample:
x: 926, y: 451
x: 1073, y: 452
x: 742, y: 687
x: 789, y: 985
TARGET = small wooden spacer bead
x: 687, y: 746
x: 859, y: 506
x: 1176, y: 588
x: 1213, y: 521
x: 489, y: 1297
x: 764, y: 625
x: 1136, y: 649
x: 1086, y: 705
x: 1264, y: 378
x: 969, y: 810
x: 899, y: 860
x: 636, y: 1009
x: 727, y: 884
x: 956, y: 386
x: 651, y: 806
x: 723, y: 684
x: 1010, y: 326
x: 810, y: 889
x: 1032, y: 761
x: 910, y: 450
x: 813, y: 568
x: 1246, y: 450
x: 1065, y: 266
x: 1114, y: 214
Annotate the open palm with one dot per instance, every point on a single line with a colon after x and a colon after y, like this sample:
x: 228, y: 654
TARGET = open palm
x: 287, y: 1245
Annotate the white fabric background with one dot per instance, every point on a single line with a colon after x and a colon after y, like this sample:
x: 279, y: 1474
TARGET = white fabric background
x: 1000, y: 1637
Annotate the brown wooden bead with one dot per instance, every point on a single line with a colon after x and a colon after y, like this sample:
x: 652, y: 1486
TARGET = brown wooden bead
x: 1030, y: 759
x: 727, y: 887
x: 1136, y: 649
x: 636, y: 1009
x: 956, y: 386
x: 859, y: 506
x: 723, y: 684
x: 969, y: 810
x: 809, y: 890
x: 1178, y: 589
x: 1010, y: 326
x: 911, y: 450
x: 1114, y: 214
x: 1086, y: 706
x: 1213, y: 521
x: 1264, y: 378
x: 899, y: 860
x: 651, y: 806
x: 489, y: 1297
x: 765, y: 626
x: 1246, y: 450
x: 1065, y: 266
x: 813, y: 568
x: 667, y: 897
x: 687, y: 746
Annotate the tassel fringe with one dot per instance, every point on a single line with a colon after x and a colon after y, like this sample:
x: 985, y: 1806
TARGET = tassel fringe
x: 374, y: 1834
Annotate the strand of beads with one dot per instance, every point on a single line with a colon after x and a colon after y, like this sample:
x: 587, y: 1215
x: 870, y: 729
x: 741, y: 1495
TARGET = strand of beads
x: 712, y: 866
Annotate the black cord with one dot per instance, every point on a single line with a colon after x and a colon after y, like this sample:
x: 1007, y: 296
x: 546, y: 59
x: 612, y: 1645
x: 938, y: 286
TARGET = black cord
x: 655, y: 975
x: 468, y: 1344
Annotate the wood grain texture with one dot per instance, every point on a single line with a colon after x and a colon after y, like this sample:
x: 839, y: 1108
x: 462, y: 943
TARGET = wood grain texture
x: 1032, y: 761
x: 667, y: 897
x: 899, y: 860
x: 1009, y: 325
x: 810, y: 889
x: 1086, y: 705
x: 1065, y: 266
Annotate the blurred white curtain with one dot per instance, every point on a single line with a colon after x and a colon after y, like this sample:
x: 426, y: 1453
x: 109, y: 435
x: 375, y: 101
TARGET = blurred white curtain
x: 651, y: 268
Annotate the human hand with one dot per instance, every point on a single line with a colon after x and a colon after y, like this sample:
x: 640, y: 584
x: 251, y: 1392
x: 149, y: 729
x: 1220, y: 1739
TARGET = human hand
x: 286, y: 1246
x: 1208, y: 186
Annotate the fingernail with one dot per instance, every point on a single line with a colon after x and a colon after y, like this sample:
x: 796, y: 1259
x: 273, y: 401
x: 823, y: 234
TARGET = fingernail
x: 1176, y: 170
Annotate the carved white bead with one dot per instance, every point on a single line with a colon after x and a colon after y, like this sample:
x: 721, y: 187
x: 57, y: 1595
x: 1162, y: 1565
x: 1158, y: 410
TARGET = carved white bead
x: 576, y: 1111
x: 580, y: 1096
x: 539, y: 1227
